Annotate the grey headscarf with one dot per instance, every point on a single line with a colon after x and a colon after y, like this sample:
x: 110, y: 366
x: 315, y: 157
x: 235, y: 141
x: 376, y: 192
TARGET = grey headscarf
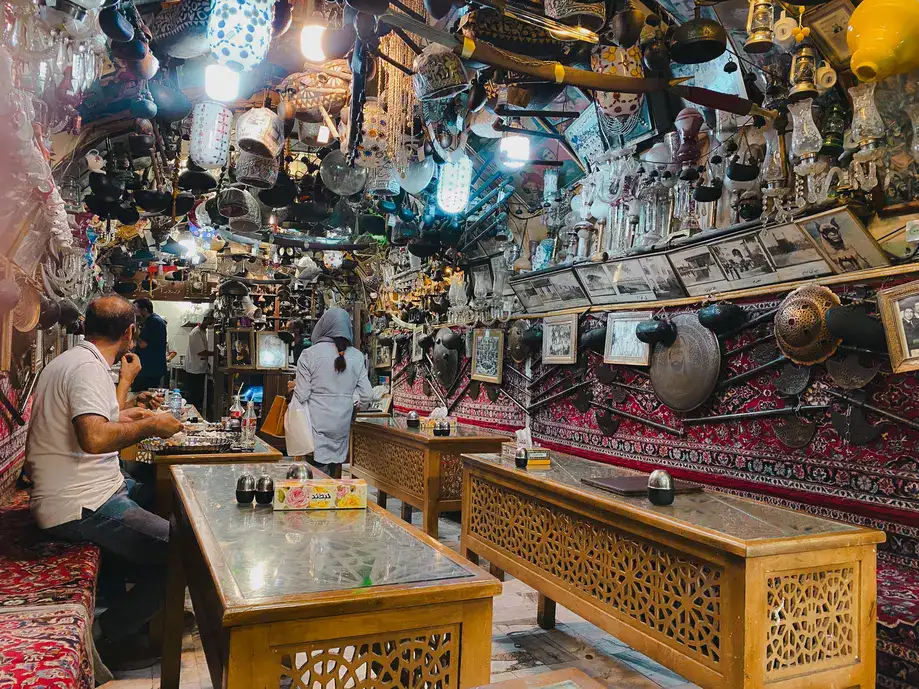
x: 334, y: 323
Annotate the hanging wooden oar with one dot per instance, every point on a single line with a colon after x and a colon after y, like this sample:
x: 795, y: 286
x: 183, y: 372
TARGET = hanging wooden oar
x: 558, y: 73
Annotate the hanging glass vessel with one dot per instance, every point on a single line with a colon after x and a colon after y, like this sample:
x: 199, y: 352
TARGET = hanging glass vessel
x: 867, y: 125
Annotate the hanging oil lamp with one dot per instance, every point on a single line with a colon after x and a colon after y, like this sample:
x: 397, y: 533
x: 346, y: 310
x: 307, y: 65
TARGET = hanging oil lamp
x: 834, y: 126
x: 760, y: 23
x: 803, y: 73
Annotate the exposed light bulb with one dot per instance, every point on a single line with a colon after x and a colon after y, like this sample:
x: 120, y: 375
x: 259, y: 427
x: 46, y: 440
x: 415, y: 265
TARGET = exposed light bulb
x: 324, y: 134
x: 221, y: 83
x: 453, y: 185
x: 311, y: 40
x: 515, y: 149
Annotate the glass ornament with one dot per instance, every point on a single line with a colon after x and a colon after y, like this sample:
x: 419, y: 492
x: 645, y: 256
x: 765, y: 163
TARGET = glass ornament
x: 453, y: 185
x: 867, y: 125
x: 339, y: 177
x: 209, y: 141
x: 239, y: 32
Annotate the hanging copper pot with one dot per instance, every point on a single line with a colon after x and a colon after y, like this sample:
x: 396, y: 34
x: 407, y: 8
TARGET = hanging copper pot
x: 698, y: 40
x: 625, y: 27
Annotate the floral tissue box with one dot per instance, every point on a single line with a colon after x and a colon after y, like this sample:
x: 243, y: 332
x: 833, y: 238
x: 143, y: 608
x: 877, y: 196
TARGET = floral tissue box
x: 320, y: 494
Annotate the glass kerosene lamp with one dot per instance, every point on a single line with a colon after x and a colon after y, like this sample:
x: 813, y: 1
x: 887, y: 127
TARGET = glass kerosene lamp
x: 760, y: 22
x: 867, y: 133
x: 803, y: 74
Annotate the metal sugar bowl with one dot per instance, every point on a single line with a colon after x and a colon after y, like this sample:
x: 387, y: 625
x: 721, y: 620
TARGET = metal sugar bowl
x: 660, y: 488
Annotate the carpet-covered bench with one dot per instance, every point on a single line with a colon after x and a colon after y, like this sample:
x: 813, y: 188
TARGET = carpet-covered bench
x: 47, y: 597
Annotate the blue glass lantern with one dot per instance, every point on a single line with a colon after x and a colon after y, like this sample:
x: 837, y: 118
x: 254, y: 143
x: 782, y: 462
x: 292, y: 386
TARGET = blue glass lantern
x: 239, y: 32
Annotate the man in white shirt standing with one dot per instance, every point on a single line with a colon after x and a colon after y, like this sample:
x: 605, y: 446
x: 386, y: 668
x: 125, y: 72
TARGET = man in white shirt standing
x: 196, y: 363
x: 79, y: 492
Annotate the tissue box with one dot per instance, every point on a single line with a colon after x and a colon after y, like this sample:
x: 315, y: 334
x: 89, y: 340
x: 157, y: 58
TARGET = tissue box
x: 534, y: 454
x: 320, y: 494
x: 428, y: 423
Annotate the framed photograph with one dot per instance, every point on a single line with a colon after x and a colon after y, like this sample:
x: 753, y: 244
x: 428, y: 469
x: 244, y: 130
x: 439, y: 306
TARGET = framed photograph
x: 697, y: 269
x: 488, y: 356
x: 829, y: 24
x: 743, y: 261
x: 622, y: 345
x: 272, y: 352
x: 527, y: 294
x: 560, y: 339
x: 384, y: 356
x: 380, y: 406
x: 899, y: 308
x: 660, y: 275
x: 844, y: 241
x: 792, y: 252
x: 417, y: 351
x: 240, y: 348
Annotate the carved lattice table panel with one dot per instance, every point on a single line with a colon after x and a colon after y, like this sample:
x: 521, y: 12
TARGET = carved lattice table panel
x: 729, y: 593
x: 425, y: 658
x: 397, y: 464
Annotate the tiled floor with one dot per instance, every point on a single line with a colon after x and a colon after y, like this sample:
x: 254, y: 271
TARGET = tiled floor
x: 519, y: 647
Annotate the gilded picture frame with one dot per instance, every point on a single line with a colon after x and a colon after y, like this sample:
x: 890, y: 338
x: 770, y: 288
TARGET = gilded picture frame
x: 898, y: 306
x: 488, y: 356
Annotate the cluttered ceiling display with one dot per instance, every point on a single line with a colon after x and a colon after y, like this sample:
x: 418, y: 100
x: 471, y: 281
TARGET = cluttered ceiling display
x: 450, y: 162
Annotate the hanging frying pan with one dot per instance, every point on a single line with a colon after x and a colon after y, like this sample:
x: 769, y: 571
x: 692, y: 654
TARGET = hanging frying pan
x: 685, y: 373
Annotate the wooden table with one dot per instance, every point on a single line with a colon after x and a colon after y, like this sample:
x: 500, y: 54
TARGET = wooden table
x: 326, y: 598
x: 262, y: 452
x: 727, y: 592
x: 421, y: 469
x: 570, y: 678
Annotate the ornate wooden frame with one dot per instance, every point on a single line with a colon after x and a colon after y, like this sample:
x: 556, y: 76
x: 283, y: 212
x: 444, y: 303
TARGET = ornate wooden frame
x: 900, y: 362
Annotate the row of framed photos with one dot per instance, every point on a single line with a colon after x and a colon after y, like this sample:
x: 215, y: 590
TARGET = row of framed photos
x: 247, y: 348
x: 831, y: 242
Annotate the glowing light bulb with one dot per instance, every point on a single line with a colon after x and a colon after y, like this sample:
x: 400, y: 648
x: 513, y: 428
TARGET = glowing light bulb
x: 453, y: 185
x: 516, y: 150
x: 311, y: 40
x: 221, y: 83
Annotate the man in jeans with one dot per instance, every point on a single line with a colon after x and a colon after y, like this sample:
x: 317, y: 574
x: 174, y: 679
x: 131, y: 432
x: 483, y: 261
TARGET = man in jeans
x: 79, y: 492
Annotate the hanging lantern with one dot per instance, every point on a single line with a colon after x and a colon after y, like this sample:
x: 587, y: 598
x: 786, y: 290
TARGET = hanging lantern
x: 867, y: 125
x: 453, y: 185
x: 221, y: 83
x: 209, y: 143
x: 515, y: 149
x: 760, y: 22
x: 803, y: 73
x: 239, y: 32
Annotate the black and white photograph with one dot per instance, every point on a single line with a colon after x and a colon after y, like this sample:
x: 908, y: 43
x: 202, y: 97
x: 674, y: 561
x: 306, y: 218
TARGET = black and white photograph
x: 384, y: 356
x: 560, y: 339
x: 844, y: 241
x: 793, y: 253
x: 417, y: 351
x: 622, y: 345
x: 528, y: 296
x: 698, y: 269
x: 568, y: 291
x: 660, y: 275
x: 630, y: 281
x: 743, y: 260
x: 899, y: 308
x: 488, y: 356
x: 597, y: 282
x: 240, y: 346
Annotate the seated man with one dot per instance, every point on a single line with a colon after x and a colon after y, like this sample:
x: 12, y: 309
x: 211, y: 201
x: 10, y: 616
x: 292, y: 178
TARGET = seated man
x: 79, y: 492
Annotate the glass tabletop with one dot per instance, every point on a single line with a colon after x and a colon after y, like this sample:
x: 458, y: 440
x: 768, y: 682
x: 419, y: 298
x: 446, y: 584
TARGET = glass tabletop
x: 459, y: 431
x: 268, y: 553
x: 735, y: 517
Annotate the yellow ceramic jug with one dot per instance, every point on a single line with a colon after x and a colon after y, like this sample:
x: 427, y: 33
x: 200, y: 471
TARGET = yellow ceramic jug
x: 883, y: 36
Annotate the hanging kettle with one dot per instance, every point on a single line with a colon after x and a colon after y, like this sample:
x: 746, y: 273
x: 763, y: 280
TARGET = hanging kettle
x: 698, y: 40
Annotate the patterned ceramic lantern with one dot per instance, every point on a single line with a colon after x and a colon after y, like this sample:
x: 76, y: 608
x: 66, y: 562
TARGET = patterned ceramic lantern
x: 371, y: 153
x: 255, y: 171
x: 319, y: 87
x: 623, y: 62
x: 439, y: 73
x: 209, y: 143
x: 239, y: 32
x: 251, y: 220
x: 259, y: 132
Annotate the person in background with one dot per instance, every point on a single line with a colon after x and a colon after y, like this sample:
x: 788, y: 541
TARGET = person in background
x: 297, y: 328
x: 78, y: 490
x: 151, y: 347
x: 196, y: 362
x: 332, y: 380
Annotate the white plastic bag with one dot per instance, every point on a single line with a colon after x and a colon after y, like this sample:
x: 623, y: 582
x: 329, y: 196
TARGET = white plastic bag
x: 298, y: 429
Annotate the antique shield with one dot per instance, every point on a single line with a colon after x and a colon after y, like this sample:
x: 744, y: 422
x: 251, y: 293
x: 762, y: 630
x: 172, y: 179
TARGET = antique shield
x: 685, y: 373
x: 446, y: 356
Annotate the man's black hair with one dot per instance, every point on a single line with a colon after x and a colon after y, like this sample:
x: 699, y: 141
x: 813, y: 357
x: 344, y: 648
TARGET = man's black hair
x: 108, y: 318
x: 144, y: 304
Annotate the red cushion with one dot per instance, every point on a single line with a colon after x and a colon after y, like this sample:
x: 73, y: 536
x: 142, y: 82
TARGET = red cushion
x: 44, y: 649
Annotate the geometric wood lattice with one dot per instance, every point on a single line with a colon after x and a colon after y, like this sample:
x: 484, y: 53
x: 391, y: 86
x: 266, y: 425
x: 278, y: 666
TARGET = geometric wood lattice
x: 414, y: 659
x: 397, y: 464
x: 812, y: 618
x: 667, y: 592
x: 451, y: 477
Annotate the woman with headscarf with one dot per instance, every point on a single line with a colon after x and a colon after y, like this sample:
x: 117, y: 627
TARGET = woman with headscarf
x: 331, y: 381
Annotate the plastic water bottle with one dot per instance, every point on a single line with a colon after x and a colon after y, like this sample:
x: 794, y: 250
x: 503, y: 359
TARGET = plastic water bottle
x: 249, y: 422
x: 175, y: 404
